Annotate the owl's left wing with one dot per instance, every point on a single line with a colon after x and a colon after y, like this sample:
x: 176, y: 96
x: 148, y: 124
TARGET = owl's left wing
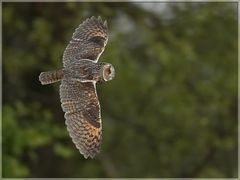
x: 88, y: 41
x: 82, y: 113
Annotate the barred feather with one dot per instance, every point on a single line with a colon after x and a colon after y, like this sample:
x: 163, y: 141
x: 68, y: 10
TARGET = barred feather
x: 81, y: 45
x: 82, y: 114
x: 50, y: 76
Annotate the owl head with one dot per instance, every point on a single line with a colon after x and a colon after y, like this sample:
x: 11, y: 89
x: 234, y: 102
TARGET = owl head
x: 108, y: 72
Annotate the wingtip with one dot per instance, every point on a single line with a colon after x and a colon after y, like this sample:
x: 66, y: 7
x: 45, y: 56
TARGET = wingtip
x: 105, y: 23
x: 99, y: 19
x: 87, y: 155
x: 84, y: 155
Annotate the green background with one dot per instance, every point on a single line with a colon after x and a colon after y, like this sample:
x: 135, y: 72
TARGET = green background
x: 171, y: 110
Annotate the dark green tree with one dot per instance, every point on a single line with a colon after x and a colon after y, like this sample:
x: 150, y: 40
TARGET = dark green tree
x: 171, y: 110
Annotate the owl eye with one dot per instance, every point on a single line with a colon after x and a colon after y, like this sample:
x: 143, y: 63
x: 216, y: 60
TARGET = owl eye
x: 98, y: 40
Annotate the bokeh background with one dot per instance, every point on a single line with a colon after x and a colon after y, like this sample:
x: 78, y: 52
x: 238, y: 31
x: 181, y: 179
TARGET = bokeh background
x: 171, y: 110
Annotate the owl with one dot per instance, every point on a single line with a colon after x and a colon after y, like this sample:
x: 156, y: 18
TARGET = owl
x: 80, y: 73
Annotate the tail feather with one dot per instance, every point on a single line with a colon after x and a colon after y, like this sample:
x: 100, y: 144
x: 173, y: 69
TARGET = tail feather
x: 50, y: 76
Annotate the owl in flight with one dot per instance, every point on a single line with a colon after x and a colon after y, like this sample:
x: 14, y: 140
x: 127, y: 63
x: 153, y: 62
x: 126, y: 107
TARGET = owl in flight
x: 80, y: 73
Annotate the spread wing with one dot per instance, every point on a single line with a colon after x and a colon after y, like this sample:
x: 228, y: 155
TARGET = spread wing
x: 88, y: 41
x: 82, y: 113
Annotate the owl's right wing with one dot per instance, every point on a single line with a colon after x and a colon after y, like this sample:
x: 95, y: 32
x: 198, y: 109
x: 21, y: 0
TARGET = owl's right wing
x: 88, y: 41
x: 82, y: 113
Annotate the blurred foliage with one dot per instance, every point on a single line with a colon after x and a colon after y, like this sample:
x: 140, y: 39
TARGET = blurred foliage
x: 171, y: 110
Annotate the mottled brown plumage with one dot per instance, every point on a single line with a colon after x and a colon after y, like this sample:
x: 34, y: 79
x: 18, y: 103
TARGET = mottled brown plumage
x: 78, y: 78
x: 82, y: 113
x: 83, y: 44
